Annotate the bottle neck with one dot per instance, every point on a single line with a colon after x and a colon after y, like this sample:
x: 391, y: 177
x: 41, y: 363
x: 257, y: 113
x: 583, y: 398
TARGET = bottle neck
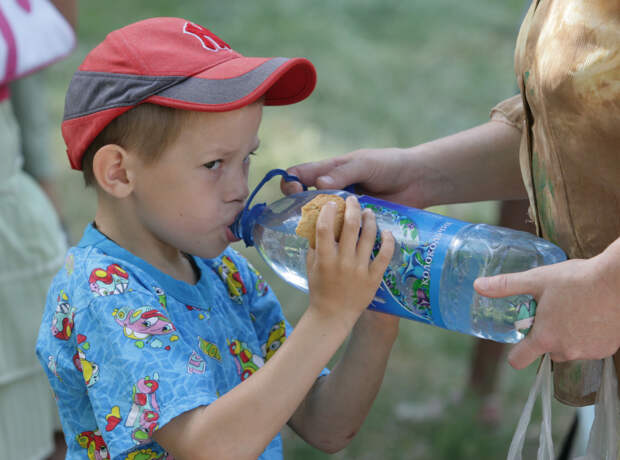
x: 244, y: 223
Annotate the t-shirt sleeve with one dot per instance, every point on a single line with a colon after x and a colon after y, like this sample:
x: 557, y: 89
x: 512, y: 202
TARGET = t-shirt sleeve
x: 135, y: 366
x: 509, y: 111
x: 272, y: 327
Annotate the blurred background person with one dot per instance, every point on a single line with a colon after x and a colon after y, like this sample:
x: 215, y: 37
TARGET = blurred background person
x: 32, y: 243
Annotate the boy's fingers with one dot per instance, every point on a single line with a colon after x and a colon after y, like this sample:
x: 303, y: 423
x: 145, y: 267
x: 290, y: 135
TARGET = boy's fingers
x: 325, y: 238
x: 310, y: 259
x: 368, y: 236
x: 509, y: 284
x: 350, y: 227
x: 383, y: 257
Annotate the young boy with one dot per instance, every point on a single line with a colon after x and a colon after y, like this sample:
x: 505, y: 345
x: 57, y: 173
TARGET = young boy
x: 158, y: 340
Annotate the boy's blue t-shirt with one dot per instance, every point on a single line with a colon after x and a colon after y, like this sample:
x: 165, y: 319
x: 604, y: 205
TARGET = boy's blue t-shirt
x: 127, y: 348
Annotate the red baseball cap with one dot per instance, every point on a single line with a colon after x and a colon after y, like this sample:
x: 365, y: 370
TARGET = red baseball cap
x: 175, y: 63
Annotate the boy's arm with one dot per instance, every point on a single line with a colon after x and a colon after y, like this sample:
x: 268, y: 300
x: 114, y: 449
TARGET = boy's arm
x: 342, y: 282
x: 334, y: 410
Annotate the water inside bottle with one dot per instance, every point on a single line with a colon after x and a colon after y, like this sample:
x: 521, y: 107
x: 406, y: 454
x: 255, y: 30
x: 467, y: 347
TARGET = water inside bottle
x: 484, y: 250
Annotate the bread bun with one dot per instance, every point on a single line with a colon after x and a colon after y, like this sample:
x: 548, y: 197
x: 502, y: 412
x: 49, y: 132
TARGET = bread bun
x: 306, y: 228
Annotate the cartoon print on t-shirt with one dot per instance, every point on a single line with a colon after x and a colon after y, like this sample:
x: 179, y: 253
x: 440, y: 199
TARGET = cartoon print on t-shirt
x: 113, y: 418
x: 94, y: 445
x: 201, y: 313
x: 210, y: 349
x: 196, y: 364
x: 112, y: 280
x: 70, y: 264
x: 277, y: 336
x: 161, y: 295
x: 89, y: 369
x: 261, y: 286
x: 229, y: 273
x: 148, y: 454
x: 142, y: 324
x: 144, y: 412
x: 53, y: 367
x: 246, y: 361
x: 62, y: 321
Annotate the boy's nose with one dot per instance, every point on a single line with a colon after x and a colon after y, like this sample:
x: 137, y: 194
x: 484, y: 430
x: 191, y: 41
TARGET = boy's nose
x: 238, y: 189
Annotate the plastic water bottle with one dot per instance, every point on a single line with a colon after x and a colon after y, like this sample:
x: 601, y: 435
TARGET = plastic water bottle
x: 436, y: 260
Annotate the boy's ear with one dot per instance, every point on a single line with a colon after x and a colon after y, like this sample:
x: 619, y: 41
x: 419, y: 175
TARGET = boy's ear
x: 110, y: 168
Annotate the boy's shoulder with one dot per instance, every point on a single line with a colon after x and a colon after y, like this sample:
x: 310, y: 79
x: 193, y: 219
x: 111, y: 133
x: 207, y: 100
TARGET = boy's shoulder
x: 238, y: 275
x: 230, y: 261
x: 89, y: 273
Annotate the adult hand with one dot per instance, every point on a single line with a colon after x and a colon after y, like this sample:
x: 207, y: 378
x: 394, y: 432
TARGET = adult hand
x: 390, y: 174
x: 473, y: 165
x: 578, y: 313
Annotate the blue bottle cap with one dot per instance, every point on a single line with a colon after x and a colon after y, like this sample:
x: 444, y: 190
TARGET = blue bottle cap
x: 243, y: 224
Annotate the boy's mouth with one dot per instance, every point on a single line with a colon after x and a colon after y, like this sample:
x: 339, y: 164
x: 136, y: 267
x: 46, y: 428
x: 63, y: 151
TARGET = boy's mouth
x: 230, y: 236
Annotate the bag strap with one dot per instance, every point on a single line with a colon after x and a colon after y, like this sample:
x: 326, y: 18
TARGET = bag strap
x: 545, y: 442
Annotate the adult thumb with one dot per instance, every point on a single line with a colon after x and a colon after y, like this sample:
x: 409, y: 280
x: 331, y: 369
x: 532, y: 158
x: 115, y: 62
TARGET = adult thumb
x: 352, y: 171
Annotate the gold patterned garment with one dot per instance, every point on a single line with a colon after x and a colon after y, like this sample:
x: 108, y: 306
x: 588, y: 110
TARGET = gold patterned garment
x: 567, y: 62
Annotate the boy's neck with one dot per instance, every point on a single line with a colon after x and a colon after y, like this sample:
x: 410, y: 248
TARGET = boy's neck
x: 126, y: 233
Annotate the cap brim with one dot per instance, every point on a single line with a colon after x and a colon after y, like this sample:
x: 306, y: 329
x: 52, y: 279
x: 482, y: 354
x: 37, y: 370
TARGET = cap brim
x: 229, y: 85
x: 240, y: 81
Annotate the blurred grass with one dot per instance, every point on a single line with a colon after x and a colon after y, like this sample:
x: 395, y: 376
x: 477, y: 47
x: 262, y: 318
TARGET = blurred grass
x: 391, y: 73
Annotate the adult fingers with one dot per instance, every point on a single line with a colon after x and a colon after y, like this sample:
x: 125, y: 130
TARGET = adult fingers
x: 307, y: 174
x: 334, y: 173
x: 527, y: 282
x: 289, y: 188
x: 525, y: 352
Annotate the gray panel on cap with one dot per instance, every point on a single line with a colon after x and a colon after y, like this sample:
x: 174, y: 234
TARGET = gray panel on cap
x: 91, y: 92
x: 203, y: 91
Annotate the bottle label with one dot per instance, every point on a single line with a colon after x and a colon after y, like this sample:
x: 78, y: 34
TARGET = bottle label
x: 410, y: 286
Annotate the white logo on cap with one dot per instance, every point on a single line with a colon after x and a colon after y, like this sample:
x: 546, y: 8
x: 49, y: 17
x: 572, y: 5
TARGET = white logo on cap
x: 208, y: 39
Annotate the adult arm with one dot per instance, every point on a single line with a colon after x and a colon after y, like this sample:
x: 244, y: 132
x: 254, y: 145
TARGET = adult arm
x: 473, y: 165
x: 578, y: 314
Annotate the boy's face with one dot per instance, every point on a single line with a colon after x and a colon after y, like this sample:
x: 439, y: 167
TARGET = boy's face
x: 188, y: 197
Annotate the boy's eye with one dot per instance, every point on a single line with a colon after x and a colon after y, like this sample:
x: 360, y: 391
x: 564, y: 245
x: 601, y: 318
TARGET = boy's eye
x: 211, y: 165
x: 247, y: 159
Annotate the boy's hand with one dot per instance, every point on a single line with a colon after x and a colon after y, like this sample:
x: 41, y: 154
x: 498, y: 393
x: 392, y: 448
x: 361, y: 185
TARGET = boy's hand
x: 342, y: 278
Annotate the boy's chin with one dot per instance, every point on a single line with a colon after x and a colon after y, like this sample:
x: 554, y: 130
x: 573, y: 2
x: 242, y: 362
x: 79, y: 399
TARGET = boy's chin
x: 211, y: 252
